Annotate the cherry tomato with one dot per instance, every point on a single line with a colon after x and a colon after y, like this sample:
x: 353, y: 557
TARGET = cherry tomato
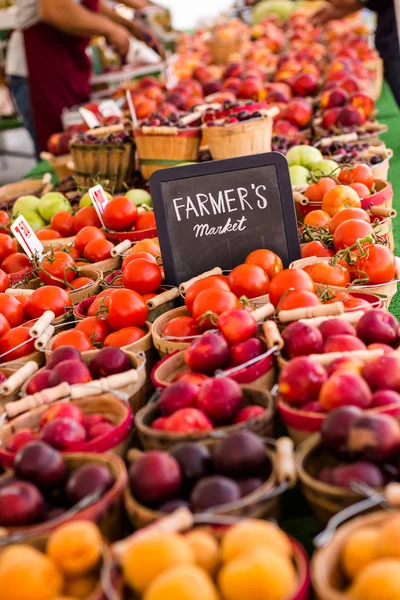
x: 10, y: 341
x: 49, y: 297
x: 248, y: 280
x: 132, y: 257
x: 298, y: 299
x: 8, y: 245
x: 4, y: 281
x: 64, y: 223
x: 125, y: 308
x: 349, y: 232
x: 12, y: 310
x: 181, y: 327
x: 81, y: 282
x: 77, y: 339
x: 48, y: 234
x: 214, y: 301
x: 146, y: 220
x: 149, y: 245
x: 267, y: 260
x: 4, y: 218
x: 378, y: 264
x: 57, y: 269
x: 86, y: 217
x: 212, y: 282
x: 98, y: 250
x: 120, y: 214
x: 317, y: 218
x: 142, y: 276
x: 360, y: 173
x: 315, y: 248
x: 16, y: 262
x: 96, y: 329
x: 338, y: 198
x: 86, y: 235
x: 124, y: 337
x: 327, y: 274
x: 316, y: 191
x: 345, y: 215
x: 361, y: 189
x: 98, y: 303
x: 237, y: 326
x: 295, y: 279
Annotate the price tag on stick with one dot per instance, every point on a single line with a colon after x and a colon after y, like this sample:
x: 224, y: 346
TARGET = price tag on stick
x: 109, y: 108
x: 26, y: 238
x: 90, y: 118
x: 99, y: 199
x: 132, y: 108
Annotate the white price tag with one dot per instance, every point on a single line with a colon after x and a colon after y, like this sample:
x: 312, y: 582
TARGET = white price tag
x: 109, y: 108
x: 131, y: 108
x: 99, y: 199
x: 26, y: 238
x: 90, y: 118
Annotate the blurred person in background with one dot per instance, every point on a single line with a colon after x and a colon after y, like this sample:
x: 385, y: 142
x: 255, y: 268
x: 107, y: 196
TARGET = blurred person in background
x: 386, y: 36
x: 48, y: 67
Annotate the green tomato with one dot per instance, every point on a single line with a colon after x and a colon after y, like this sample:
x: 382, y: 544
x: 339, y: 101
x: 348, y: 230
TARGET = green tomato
x: 25, y: 203
x: 139, y: 197
x: 303, y: 155
x: 87, y: 201
x: 325, y: 167
x: 53, y: 203
x: 34, y: 219
x: 282, y: 8
x: 299, y: 175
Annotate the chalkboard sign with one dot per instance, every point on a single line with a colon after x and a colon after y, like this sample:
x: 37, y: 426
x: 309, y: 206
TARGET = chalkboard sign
x: 215, y: 213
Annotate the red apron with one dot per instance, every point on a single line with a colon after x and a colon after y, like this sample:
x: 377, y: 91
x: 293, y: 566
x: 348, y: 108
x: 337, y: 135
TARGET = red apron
x: 59, y: 74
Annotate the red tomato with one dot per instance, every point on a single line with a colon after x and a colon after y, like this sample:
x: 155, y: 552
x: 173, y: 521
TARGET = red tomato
x: 75, y: 338
x: 215, y: 301
x: 73, y: 252
x: 181, y: 327
x: 22, y: 299
x: 378, y: 264
x: 10, y: 341
x: 287, y: 279
x: 86, y: 217
x: 120, y: 214
x: 146, y: 220
x: 316, y: 191
x: 298, y: 299
x: 4, y: 325
x: 48, y: 234
x: 148, y: 245
x: 96, y: 329
x: 8, y: 245
x: 237, y: 326
x: 49, y: 297
x: 361, y: 189
x: 315, y: 248
x: 345, y: 215
x: 267, y: 260
x: 357, y: 304
x: 219, y: 282
x: 57, y: 269
x: 360, y: 173
x: 64, y: 223
x: 124, y: 337
x: 86, y: 235
x: 248, y: 280
x: 12, y: 310
x: 4, y: 281
x: 132, y: 257
x: 327, y: 274
x: 98, y: 250
x: 4, y: 218
x: 349, y: 232
x: 125, y: 308
x: 98, y: 303
x: 81, y: 282
x: 18, y: 261
x: 142, y: 276
x: 148, y: 296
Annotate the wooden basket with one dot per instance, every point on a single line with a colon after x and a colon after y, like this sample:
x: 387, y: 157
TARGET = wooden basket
x: 57, y: 242
x: 163, y: 346
x: 7, y: 371
x: 154, y: 439
x: 381, y: 170
x: 261, y: 374
x: 107, y: 512
x: 376, y: 67
x: 110, y: 406
x: 252, y: 506
x: 163, y: 147
x: 222, y: 48
x: 12, y: 191
x: 241, y: 139
x: 36, y: 356
x: 145, y: 345
x: 63, y: 165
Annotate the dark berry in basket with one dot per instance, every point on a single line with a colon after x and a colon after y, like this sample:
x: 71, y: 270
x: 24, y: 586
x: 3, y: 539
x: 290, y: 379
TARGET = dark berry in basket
x: 243, y: 115
x: 377, y: 158
x: 256, y: 115
x: 155, y: 122
x: 214, y: 491
x: 87, y: 479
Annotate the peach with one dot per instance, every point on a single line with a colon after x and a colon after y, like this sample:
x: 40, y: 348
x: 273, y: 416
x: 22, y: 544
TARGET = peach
x: 363, y: 101
x: 389, y: 538
x: 343, y: 343
x: 299, y: 111
x: 383, y: 373
x: 183, y: 582
x: 301, y: 380
x: 75, y: 547
x: 360, y: 549
x: 374, y: 437
x: 351, y: 116
x: 333, y: 98
x: 240, y: 540
x: 305, y: 84
x: 80, y: 587
x: 379, y: 580
x: 205, y: 550
x: 344, y: 388
x: 330, y: 117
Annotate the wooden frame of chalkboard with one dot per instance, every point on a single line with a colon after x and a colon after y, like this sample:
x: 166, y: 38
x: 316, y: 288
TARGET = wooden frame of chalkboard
x: 188, y: 249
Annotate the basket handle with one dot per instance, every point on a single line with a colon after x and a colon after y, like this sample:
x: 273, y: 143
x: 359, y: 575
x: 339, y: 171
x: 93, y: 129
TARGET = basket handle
x: 364, y: 355
x: 17, y: 379
x: 104, y: 385
x: 183, y: 288
x: 13, y: 409
x: 344, y: 137
x: 300, y: 198
x: 121, y: 248
x: 163, y: 298
x: 285, y: 461
x: 19, y: 292
x: 322, y: 310
x: 392, y: 494
x: 272, y: 335
x: 383, y: 211
x: 350, y: 317
x: 42, y: 324
x: 263, y: 312
x: 134, y: 454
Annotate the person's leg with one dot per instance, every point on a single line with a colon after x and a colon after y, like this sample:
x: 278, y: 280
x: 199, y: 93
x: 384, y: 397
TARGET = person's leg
x: 392, y: 76
x: 19, y: 87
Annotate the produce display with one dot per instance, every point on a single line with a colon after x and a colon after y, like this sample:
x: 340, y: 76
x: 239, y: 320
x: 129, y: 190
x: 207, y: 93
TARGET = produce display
x: 158, y: 441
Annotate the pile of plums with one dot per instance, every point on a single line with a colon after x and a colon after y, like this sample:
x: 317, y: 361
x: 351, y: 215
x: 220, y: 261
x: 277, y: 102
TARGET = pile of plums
x: 375, y: 383
x: 64, y: 426
x: 41, y: 488
x: 365, y: 448
x: 186, y: 406
x: 66, y: 364
x: 194, y: 476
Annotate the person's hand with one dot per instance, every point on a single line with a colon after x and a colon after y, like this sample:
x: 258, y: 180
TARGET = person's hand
x: 144, y: 34
x: 119, y: 38
x: 334, y: 9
